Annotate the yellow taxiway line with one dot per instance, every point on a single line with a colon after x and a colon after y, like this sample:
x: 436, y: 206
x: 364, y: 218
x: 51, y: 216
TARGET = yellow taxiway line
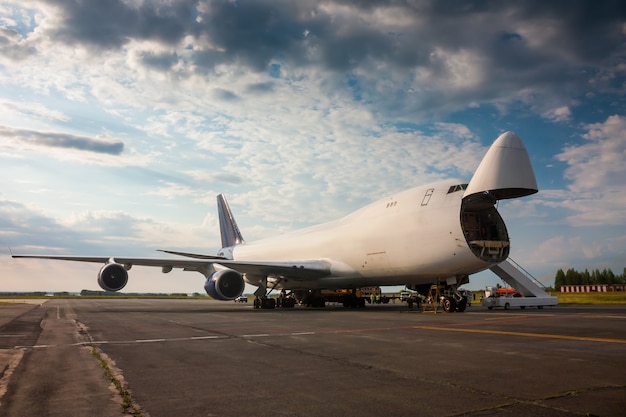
x: 522, y: 334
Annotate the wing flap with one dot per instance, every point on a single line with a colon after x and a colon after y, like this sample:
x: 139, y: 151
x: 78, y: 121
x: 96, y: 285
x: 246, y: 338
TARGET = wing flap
x: 301, y: 270
x: 191, y: 255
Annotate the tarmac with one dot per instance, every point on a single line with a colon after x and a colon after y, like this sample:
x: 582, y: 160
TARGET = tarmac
x: 148, y: 357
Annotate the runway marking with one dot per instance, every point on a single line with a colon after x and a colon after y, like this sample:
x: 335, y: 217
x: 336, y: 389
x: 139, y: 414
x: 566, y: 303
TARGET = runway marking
x: 522, y: 334
x: 594, y: 316
x: 162, y: 340
x: 206, y: 337
x: 345, y: 331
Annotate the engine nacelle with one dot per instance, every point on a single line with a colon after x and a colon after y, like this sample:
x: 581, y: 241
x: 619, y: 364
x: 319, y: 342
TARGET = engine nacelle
x: 225, y: 284
x: 112, y: 277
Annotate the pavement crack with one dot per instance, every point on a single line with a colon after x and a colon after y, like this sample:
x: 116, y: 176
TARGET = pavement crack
x: 584, y: 391
x: 16, y: 358
x: 128, y: 405
x: 541, y: 402
x: 114, y: 374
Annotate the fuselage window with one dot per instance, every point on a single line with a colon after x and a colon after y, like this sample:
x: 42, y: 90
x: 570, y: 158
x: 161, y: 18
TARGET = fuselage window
x: 455, y: 188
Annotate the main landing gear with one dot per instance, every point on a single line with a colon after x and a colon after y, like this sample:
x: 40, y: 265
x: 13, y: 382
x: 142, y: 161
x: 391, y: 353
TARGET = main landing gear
x: 265, y: 303
x: 447, y: 297
x: 451, y: 304
x: 313, y: 298
x: 284, y: 300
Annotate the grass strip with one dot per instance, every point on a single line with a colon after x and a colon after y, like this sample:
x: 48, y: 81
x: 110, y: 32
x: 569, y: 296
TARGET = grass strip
x: 127, y: 401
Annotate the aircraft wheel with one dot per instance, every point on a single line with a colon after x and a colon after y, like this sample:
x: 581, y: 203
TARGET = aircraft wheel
x: 319, y: 302
x: 447, y: 305
x: 462, y: 305
x: 268, y: 303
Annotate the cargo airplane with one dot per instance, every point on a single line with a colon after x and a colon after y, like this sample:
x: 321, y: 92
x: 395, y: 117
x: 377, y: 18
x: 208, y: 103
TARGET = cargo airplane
x: 435, y: 234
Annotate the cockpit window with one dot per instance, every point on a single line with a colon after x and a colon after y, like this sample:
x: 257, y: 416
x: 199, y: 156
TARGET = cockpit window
x: 458, y: 187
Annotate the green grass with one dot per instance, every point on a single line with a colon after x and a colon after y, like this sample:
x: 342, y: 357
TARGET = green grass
x: 598, y: 298
x: 127, y: 402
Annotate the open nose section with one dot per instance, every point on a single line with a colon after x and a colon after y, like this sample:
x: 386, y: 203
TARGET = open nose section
x: 505, y: 171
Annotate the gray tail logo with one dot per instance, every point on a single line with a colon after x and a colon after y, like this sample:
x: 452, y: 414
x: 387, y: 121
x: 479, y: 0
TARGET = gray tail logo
x: 231, y: 236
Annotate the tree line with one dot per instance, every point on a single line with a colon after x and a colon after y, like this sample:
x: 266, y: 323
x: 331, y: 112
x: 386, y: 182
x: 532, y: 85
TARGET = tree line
x: 595, y: 277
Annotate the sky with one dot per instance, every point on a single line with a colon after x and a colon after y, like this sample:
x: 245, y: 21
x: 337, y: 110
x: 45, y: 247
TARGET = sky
x: 121, y: 120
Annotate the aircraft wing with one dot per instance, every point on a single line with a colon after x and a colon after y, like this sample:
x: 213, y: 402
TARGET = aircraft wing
x: 302, y: 270
x: 191, y: 255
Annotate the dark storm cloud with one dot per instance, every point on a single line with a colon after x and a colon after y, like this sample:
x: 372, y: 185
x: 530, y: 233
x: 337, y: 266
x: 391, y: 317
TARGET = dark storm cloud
x: 61, y: 140
x: 112, y: 23
x: 255, y: 32
x: 162, y: 61
x: 562, y: 49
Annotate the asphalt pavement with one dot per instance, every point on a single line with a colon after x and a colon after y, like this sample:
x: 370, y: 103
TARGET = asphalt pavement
x: 112, y: 357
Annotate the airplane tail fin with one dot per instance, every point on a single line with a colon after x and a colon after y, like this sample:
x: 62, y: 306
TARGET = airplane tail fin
x: 505, y: 171
x: 231, y: 236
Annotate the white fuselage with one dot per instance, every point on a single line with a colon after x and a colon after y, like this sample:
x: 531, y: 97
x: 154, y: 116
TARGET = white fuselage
x: 412, y: 237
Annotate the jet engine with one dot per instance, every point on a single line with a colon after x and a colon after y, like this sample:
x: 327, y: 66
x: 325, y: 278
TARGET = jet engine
x: 225, y: 284
x: 112, y: 277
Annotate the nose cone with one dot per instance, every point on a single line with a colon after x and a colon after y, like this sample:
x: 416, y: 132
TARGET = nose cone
x: 505, y: 171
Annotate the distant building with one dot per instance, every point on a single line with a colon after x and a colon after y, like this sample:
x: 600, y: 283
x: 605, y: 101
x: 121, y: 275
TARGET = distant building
x: 593, y: 288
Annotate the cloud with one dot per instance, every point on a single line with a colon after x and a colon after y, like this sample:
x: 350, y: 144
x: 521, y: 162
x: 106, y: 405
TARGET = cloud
x: 61, y: 140
x: 599, y: 163
x: 413, y: 60
x: 202, y: 176
x: 32, y: 110
x: 105, y: 232
x: 171, y: 191
x: 11, y: 47
x: 25, y: 227
x: 560, y: 114
x: 596, y: 171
